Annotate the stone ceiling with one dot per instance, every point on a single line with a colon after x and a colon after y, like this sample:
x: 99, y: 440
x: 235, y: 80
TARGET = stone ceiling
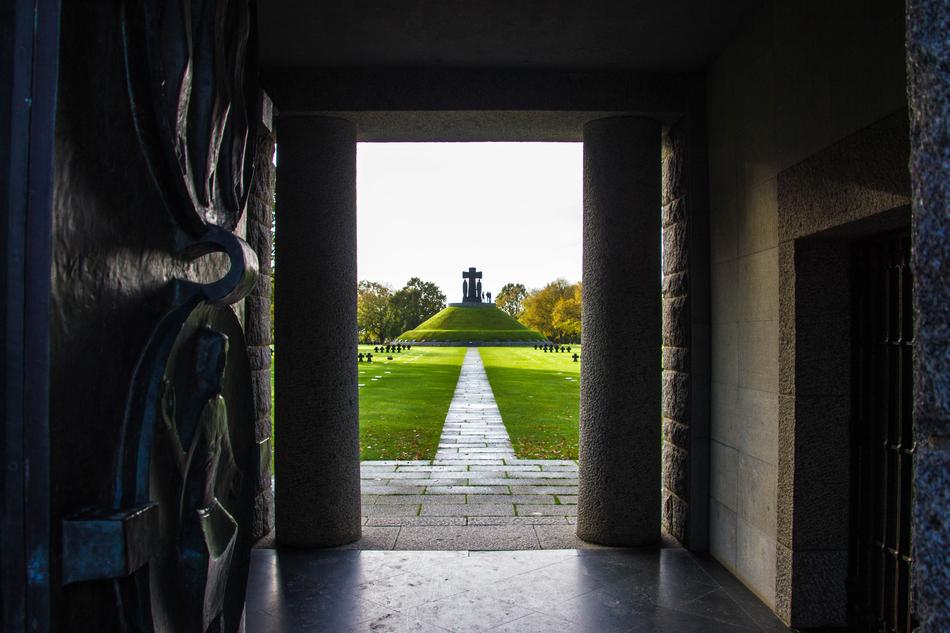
x: 653, y: 35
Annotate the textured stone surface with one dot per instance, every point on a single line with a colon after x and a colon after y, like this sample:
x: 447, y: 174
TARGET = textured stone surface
x: 928, y: 69
x: 676, y: 322
x: 677, y: 338
x: 676, y: 471
x: 257, y: 323
x: 675, y: 514
x: 676, y: 284
x: 676, y: 211
x: 811, y: 586
x: 618, y: 497
x: 675, y: 248
x: 676, y: 403
x: 676, y: 433
x: 676, y: 358
x: 318, y: 481
x: 859, y: 176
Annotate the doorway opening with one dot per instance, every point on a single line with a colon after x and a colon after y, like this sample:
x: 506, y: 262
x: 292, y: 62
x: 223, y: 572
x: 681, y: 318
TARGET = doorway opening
x: 883, y: 444
x: 468, y: 415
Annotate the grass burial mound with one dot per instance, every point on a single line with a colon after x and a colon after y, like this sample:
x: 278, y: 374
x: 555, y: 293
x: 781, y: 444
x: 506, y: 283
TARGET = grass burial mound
x: 464, y: 325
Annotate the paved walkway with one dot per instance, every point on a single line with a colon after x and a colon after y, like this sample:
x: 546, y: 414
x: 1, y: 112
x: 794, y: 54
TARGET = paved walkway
x: 475, y: 495
x: 473, y: 429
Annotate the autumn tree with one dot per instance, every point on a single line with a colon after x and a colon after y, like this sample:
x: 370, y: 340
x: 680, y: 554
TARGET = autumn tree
x: 511, y: 299
x: 539, y: 307
x: 373, y: 315
x: 566, y: 315
x: 414, y: 303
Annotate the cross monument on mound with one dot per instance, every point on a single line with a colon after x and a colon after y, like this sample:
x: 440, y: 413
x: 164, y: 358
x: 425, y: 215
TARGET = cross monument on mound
x: 471, y: 291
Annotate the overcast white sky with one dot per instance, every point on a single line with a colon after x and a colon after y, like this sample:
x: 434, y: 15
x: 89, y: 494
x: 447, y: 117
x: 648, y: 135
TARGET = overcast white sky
x: 431, y: 210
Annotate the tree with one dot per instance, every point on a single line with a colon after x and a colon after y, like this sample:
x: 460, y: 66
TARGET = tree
x: 566, y: 316
x: 373, y: 316
x: 511, y: 299
x: 539, y: 308
x: 414, y: 303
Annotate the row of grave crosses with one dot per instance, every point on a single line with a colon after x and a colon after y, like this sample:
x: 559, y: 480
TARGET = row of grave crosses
x: 383, y: 349
x: 553, y: 348
x: 391, y: 348
x: 558, y: 348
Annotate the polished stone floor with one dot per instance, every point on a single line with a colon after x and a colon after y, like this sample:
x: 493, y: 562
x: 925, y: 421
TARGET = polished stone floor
x: 592, y: 591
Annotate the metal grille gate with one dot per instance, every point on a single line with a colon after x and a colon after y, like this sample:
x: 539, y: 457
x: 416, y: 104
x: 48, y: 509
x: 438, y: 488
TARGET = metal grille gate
x: 883, y: 436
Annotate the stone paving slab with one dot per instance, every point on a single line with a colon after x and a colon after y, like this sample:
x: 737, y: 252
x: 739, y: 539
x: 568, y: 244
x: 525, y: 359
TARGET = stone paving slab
x: 517, y: 520
x: 469, y: 509
x: 544, y: 490
x: 392, y: 510
x: 517, y: 481
x: 397, y: 521
x: 469, y: 537
x: 467, y: 490
x: 418, y: 499
x: 544, y: 510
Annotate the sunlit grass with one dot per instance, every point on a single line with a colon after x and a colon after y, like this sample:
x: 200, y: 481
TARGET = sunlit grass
x: 538, y: 395
x: 404, y: 401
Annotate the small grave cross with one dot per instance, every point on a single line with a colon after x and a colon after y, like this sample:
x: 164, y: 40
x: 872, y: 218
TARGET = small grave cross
x: 360, y: 355
x: 575, y: 357
x: 369, y: 358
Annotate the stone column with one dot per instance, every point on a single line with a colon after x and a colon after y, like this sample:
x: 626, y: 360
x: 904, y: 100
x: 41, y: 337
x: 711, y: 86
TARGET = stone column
x: 316, y: 426
x: 928, y: 79
x: 619, y: 488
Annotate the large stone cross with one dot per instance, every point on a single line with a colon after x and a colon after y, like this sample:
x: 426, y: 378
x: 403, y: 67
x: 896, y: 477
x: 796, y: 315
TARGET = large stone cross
x: 469, y: 291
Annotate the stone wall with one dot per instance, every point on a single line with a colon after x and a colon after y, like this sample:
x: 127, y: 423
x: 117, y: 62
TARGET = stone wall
x: 685, y: 362
x: 856, y: 188
x: 260, y: 215
x: 676, y: 334
x: 788, y: 86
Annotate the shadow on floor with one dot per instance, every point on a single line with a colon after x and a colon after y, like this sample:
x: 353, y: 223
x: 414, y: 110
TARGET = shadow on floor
x: 595, y: 591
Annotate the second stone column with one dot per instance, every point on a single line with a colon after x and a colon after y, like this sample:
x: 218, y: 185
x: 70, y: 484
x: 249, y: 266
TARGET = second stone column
x: 619, y: 456
x: 317, y: 467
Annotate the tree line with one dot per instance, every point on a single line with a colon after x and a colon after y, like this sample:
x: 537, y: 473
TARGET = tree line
x: 383, y: 314
x: 554, y: 310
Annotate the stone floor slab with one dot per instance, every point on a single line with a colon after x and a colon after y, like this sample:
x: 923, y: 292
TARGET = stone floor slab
x: 468, y: 509
x: 562, y: 591
x: 471, y: 537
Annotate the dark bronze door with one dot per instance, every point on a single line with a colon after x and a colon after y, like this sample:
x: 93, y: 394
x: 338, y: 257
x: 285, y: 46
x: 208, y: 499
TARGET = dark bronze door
x: 883, y: 435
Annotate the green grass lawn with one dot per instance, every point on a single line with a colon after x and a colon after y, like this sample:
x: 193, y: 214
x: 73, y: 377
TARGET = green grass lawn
x: 538, y: 395
x: 471, y: 324
x: 403, y: 401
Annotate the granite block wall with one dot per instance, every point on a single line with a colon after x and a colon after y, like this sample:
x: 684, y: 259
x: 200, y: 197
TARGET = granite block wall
x: 257, y: 317
x: 685, y: 289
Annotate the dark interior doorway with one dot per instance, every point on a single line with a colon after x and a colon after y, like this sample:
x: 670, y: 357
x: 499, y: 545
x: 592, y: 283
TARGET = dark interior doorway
x: 883, y: 435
